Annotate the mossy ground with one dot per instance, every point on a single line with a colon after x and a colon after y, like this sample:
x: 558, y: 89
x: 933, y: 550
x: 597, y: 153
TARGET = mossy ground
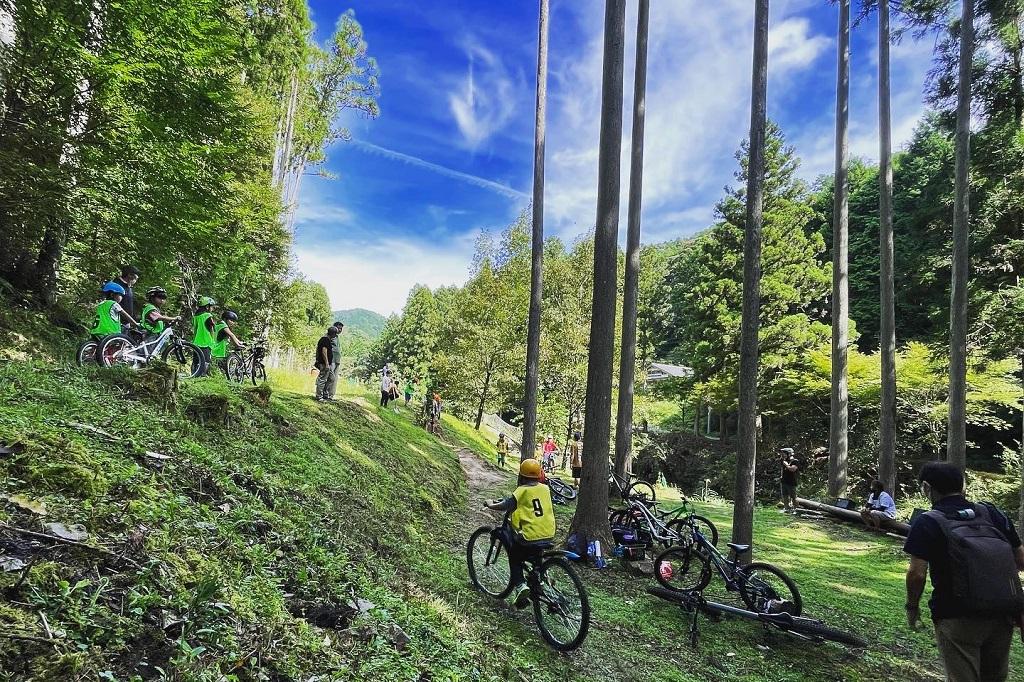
x: 242, y: 555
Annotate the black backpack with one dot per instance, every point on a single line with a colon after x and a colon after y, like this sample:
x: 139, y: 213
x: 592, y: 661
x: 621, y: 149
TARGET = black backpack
x: 983, y: 569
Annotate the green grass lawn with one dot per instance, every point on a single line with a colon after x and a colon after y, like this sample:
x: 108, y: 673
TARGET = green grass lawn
x: 245, y: 551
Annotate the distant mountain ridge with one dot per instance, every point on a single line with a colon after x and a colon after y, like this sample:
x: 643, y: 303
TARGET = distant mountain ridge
x: 362, y: 321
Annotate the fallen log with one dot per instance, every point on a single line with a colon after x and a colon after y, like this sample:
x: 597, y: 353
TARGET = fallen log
x: 850, y: 515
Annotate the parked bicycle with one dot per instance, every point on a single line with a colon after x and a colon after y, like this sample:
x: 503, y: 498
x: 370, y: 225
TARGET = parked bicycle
x: 762, y: 587
x: 809, y: 629
x: 653, y: 526
x: 246, y: 364
x: 631, y: 487
x: 560, y: 603
x: 184, y: 357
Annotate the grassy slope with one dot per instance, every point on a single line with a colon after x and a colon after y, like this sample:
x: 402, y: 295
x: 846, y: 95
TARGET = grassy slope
x: 327, y: 502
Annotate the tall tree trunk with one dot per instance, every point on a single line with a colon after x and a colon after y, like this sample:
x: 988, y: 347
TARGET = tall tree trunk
x: 887, y: 326
x: 483, y: 394
x: 537, y: 260
x: 591, y: 519
x: 956, y: 440
x: 1020, y: 519
x: 746, y: 447
x: 627, y: 354
x: 839, y: 420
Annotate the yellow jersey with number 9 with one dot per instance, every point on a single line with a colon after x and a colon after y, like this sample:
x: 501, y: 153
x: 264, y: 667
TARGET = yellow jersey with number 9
x: 534, y: 517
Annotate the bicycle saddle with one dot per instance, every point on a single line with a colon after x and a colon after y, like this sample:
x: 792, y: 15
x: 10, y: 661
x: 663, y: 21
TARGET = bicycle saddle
x: 739, y: 549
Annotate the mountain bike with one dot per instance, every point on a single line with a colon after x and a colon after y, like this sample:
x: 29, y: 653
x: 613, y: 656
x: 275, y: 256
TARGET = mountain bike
x: 85, y: 354
x: 763, y: 588
x: 244, y: 364
x: 652, y: 526
x: 185, y: 358
x: 561, y: 489
x: 560, y: 603
x: 631, y: 487
x: 809, y: 629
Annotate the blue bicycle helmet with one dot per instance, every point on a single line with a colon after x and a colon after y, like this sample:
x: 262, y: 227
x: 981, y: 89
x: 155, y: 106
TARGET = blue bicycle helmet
x: 113, y: 287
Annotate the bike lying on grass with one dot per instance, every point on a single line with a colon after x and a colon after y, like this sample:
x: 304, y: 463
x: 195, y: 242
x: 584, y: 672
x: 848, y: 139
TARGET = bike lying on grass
x: 763, y: 588
x: 650, y: 525
x: 561, y: 492
x: 185, y: 358
x: 694, y: 603
x: 560, y: 603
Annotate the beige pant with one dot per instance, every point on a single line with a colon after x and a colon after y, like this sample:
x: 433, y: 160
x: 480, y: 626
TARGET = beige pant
x: 975, y: 649
x: 323, y: 381
x: 332, y: 385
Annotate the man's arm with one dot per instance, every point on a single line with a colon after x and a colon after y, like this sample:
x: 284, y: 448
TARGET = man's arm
x: 917, y: 575
x: 234, y: 339
x: 1018, y: 556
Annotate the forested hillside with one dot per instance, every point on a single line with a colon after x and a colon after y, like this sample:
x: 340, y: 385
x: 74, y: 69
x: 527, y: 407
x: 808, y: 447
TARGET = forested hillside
x: 467, y: 341
x: 172, y: 137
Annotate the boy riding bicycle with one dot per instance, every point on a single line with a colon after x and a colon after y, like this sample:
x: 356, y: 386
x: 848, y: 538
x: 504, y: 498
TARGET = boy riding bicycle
x: 531, y: 526
x: 153, y: 320
x: 109, y: 312
x: 222, y: 335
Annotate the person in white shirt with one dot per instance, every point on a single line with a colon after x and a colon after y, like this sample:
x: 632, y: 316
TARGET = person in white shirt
x: 880, y: 508
x: 386, y: 385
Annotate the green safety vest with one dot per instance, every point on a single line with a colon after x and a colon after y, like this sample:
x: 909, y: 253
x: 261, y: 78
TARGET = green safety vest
x: 105, y: 324
x: 201, y: 336
x: 152, y: 327
x: 220, y: 348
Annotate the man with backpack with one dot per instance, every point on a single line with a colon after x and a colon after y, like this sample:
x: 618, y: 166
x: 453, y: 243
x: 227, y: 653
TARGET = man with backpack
x: 973, y: 554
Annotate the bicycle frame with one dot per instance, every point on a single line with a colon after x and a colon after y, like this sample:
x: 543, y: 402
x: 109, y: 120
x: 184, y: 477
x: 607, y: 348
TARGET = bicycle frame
x: 658, y: 529
x: 158, y: 343
x: 725, y: 567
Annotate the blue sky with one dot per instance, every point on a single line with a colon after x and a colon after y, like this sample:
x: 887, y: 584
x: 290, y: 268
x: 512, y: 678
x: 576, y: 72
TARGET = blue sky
x: 452, y: 151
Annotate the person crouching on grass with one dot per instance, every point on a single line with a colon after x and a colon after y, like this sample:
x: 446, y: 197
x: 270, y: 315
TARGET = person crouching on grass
x: 531, y: 527
x: 880, y: 508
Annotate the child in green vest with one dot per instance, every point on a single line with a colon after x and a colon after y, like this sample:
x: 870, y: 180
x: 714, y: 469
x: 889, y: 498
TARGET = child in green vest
x: 109, y: 312
x: 154, y: 321
x: 222, y: 334
x: 203, y: 328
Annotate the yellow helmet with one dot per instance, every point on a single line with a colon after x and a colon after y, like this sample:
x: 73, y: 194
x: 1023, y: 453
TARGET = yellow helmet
x: 530, y: 468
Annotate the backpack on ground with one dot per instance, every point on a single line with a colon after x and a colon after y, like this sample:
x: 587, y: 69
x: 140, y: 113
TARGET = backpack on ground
x: 984, y: 572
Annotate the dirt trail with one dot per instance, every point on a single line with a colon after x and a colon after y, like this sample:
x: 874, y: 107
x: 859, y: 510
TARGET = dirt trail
x: 480, y: 477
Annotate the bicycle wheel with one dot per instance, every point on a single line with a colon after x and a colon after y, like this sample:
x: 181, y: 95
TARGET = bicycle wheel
x: 812, y: 628
x: 561, y: 606
x: 86, y: 353
x: 487, y: 558
x: 235, y: 368
x: 186, y: 359
x: 641, y: 491
x: 259, y: 374
x: 683, y: 568
x: 112, y: 350
x: 763, y: 587
x: 684, y: 529
x: 560, y: 487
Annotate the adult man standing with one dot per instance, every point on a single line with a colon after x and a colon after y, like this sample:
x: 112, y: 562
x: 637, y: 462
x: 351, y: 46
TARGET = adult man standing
x: 324, y: 362
x: 790, y: 478
x: 127, y: 279
x: 332, y: 386
x: 974, y: 555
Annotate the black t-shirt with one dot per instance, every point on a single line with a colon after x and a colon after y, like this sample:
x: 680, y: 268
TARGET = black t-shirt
x: 926, y: 541
x: 128, y: 300
x: 791, y: 477
x: 323, y: 343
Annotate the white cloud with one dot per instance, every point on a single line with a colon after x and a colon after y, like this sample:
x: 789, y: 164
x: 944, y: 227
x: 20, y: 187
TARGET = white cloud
x: 697, y: 107
x: 483, y: 183
x: 378, y: 274
x: 482, y: 102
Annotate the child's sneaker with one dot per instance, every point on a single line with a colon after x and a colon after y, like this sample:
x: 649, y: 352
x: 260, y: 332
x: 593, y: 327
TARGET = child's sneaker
x: 522, y: 596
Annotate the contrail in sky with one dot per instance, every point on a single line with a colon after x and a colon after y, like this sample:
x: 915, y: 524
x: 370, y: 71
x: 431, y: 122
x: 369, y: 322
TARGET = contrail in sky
x: 441, y: 170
